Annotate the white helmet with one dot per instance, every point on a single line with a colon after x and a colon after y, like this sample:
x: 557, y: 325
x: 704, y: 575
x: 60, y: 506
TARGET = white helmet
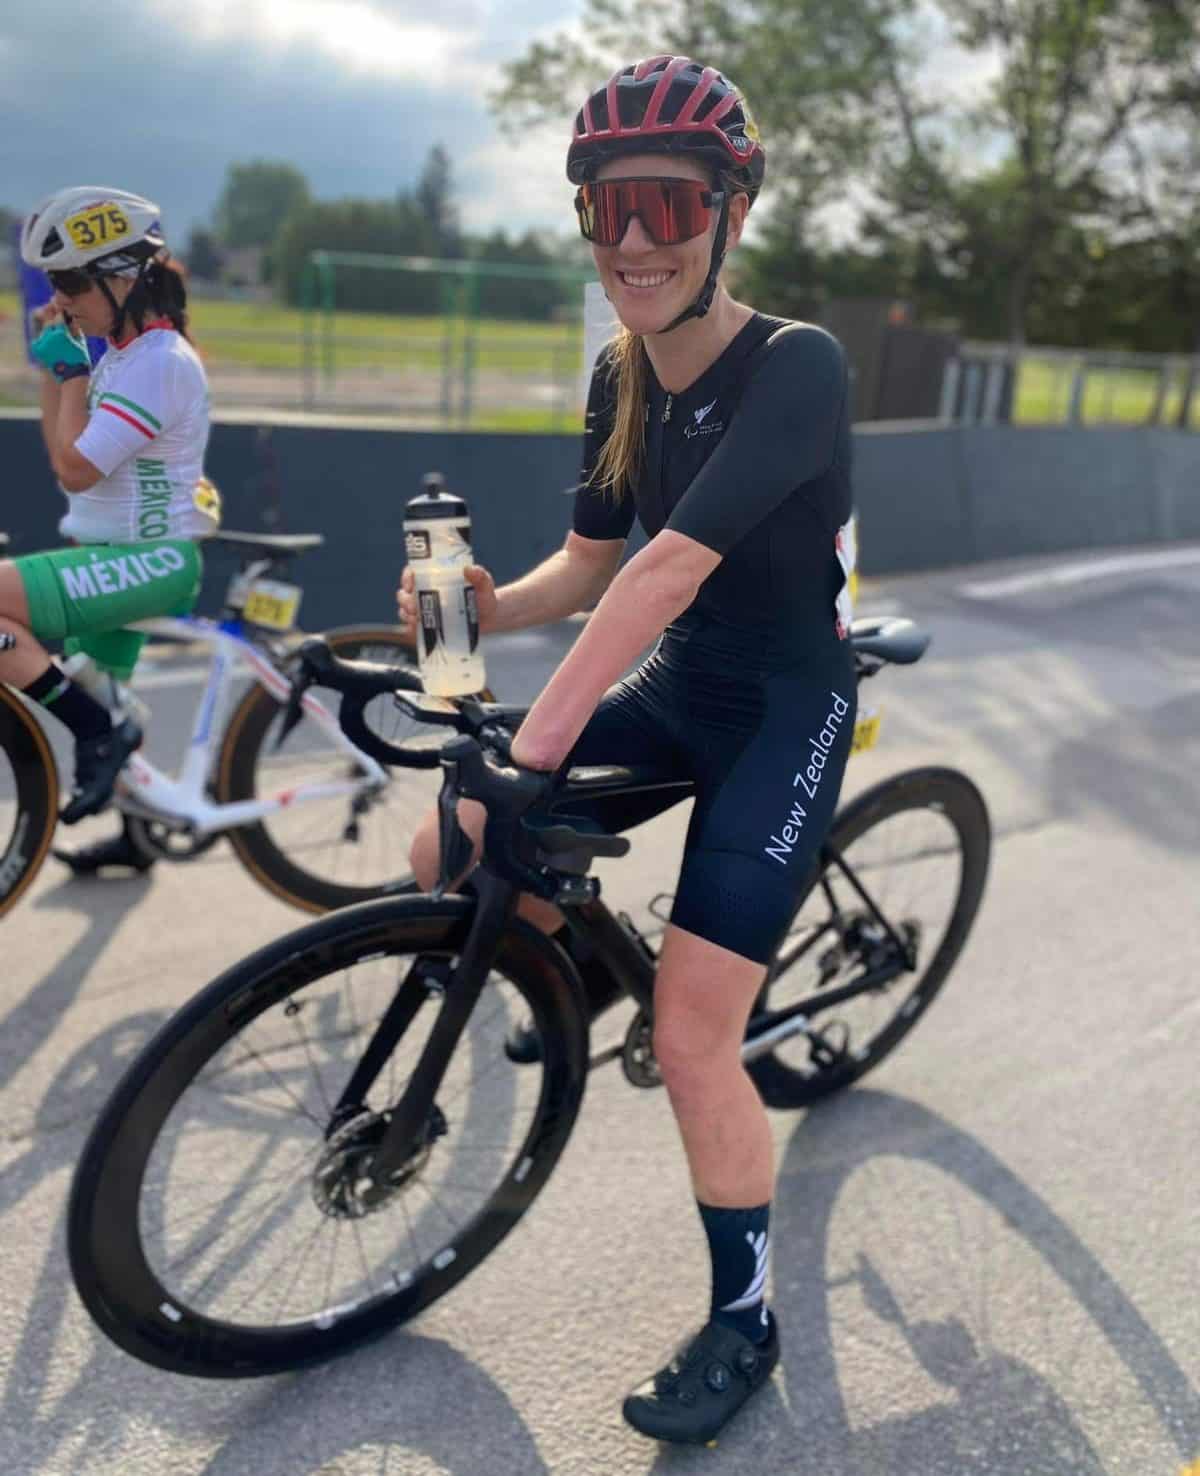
x: 101, y: 231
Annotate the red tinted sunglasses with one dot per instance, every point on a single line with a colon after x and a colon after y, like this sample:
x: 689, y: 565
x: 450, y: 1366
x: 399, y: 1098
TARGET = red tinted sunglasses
x: 71, y: 282
x: 670, y: 210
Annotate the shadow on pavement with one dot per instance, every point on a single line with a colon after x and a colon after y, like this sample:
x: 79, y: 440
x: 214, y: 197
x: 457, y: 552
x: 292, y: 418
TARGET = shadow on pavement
x: 988, y: 1411
x: 362, y: 1414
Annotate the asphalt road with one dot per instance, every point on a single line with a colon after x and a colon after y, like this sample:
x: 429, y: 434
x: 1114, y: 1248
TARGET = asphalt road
x: 986, y: 1257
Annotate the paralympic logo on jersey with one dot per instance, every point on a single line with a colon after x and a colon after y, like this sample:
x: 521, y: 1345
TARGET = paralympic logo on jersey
x: 699, y: 428
x: 808, y: 779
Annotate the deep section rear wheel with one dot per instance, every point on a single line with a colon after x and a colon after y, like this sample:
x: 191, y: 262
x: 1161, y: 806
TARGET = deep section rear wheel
x: 28, y: 798
x: 919, y: 844
x: 215, y: 1226
x: 328, y: 853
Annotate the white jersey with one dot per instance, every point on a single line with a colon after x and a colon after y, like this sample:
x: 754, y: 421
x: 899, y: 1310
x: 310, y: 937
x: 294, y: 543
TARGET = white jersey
x: 146, y: 433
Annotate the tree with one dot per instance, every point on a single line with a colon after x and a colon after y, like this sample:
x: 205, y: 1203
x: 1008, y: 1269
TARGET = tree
x: 203, y: 255
x: 525, y: 297
x: 850, y: 109
x: 256, y: 200
x: 382, y: 227
x: 434, y: 195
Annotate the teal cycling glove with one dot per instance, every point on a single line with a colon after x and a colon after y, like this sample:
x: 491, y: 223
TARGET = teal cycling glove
x: 62, y: 352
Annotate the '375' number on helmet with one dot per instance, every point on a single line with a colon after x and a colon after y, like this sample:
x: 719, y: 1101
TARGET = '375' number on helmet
x: 104, y: 222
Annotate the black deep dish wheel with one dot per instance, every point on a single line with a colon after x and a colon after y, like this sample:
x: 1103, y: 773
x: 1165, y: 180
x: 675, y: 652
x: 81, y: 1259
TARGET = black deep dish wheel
x: 919, y: 844
x: 28, y: 799
x: 328, y: 853
x: 200, y: 1232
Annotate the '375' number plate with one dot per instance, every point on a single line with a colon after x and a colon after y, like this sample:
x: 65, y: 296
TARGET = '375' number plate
x: 272, y: 604
x: 95, y: 224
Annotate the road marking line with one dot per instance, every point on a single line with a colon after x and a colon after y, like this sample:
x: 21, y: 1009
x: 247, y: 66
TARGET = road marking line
x: 1069, y: 574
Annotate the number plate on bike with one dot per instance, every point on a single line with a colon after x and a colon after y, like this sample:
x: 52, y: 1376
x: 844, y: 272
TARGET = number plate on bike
x: 273, y: 604
x: 866, y: 730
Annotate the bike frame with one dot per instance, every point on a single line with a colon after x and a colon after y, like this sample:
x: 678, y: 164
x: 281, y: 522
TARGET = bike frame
x: 145, y: 791
x: 615, y: 946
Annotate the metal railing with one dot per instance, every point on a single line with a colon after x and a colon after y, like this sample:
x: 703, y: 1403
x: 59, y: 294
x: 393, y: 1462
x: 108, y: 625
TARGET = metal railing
x: 990, y: 384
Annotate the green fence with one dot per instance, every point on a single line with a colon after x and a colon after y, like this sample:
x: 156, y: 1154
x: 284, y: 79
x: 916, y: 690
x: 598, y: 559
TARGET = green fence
x: 451, y: 344
x: 469, y: 344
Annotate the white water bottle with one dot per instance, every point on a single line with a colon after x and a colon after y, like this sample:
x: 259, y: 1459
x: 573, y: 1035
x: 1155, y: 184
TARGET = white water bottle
x: 437, y: 541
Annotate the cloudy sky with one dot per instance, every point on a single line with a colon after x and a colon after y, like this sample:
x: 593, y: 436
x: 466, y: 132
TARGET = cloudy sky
x: 160, y: 96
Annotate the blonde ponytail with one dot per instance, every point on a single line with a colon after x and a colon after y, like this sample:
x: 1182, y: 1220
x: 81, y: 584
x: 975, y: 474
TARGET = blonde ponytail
x: 620, y: 461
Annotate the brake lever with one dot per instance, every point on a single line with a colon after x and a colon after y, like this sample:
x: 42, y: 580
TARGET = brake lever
x: 454, y: 844
x: 294, y: 710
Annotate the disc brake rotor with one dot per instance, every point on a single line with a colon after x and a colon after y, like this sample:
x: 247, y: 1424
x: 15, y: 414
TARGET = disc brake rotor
x: 342, y: 1178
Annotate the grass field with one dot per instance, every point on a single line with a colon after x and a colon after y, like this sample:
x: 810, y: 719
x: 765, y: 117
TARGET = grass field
x: 268, y: 336
x: 1111, y: 396
x: 246, y: 337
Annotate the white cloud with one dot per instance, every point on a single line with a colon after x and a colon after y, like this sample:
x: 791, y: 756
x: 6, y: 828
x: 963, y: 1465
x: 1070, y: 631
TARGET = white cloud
x: 356, y: 34
x: 503, y: 183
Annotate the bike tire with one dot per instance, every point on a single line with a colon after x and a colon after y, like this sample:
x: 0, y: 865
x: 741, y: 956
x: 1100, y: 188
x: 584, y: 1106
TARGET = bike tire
x: 30, y: 785
x: 112, y: 1236
x: 942, y: 792
x: 274, y: 859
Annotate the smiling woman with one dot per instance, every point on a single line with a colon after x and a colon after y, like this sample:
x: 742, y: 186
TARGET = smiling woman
x: 726, y: 433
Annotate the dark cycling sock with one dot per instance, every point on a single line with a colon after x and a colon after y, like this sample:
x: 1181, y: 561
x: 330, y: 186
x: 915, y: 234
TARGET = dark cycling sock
x: 69, y: 703
x: 737, y: 1242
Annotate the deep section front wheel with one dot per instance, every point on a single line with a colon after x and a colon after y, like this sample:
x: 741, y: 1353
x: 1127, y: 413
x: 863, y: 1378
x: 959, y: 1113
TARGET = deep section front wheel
x: 28, y: 798
x: 332, y: 852
x: 918, y: 845
x: 216, y: 1223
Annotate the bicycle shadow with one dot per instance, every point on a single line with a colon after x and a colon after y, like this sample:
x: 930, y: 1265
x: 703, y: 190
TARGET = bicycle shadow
x: 38, y: 1015
x: 860, y: 1341
x: 64, y: 1116
x: 52, y: 1417
x: 393, y: 1429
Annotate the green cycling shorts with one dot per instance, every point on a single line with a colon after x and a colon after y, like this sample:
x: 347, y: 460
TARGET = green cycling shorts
x: 84, y: 596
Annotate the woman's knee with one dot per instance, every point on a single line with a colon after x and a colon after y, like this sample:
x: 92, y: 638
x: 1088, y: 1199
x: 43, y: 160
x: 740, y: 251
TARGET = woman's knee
x: 425, y: 853
x: 702, y: 997
x: 14, y: 603
x: 690, y: 1041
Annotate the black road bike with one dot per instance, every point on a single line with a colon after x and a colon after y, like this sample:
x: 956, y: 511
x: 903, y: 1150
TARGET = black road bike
x: 331, y: 1135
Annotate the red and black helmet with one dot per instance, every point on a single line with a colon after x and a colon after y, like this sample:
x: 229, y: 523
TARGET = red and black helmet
x: 669, y: 104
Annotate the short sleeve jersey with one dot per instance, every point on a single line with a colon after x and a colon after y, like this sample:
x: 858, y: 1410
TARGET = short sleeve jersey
x: 753, y: 461
x: 147, y: 432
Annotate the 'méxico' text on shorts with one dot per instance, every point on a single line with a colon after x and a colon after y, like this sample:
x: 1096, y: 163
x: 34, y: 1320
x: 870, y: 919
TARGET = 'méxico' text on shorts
x: 127, y: 571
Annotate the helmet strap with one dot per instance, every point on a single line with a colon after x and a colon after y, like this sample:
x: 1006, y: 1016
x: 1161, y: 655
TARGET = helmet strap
x: 702, y: 304
x: 119, y: 311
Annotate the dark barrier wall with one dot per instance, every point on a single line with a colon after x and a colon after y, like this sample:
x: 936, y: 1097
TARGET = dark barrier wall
x: 928, y: 496
x: 350, y: 485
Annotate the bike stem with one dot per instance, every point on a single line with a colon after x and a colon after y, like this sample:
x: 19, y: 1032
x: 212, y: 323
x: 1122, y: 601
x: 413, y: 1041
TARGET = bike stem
x: 408, y: 1120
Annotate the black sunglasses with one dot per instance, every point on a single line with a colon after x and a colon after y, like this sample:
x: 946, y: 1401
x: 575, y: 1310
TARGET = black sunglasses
x: 71, y: 281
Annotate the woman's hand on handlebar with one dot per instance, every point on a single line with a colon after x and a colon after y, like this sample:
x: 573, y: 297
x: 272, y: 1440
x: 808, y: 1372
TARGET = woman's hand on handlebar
x: 476, y: 575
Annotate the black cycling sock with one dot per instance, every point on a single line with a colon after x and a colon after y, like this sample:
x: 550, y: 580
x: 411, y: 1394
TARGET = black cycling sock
x: 69, y: 703
x: 738, y: 1244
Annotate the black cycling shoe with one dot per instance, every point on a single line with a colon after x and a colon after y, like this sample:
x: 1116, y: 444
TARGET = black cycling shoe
x: 523, y: 1044
x: 98, y: 761
x: 117, y: 850
x: 691, y: 1400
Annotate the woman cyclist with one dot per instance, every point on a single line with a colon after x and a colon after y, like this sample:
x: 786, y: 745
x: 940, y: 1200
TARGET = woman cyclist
x: 127, y: 443
x: 726, y: 433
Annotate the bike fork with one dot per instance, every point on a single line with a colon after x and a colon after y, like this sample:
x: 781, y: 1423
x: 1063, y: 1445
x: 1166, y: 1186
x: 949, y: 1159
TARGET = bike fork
x: 408, y: 1120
